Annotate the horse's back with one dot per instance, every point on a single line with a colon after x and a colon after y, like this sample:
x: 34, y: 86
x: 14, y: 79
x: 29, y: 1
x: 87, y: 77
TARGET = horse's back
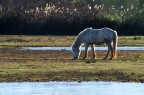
x: 97, y: 36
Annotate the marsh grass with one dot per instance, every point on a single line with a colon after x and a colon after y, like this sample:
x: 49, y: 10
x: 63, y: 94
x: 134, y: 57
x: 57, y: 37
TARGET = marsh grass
x: 73, y: 72
x: 20, y: 41
x: 14, y: 40
x: 26, y: 65
x: 137, y: 37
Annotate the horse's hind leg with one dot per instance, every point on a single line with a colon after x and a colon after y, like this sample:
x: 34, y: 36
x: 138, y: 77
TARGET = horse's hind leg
x: 93, y: 51
x: 109, y: 49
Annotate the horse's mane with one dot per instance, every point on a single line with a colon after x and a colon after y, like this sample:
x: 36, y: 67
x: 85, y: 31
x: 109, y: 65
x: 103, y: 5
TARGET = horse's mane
x: 79, y: 38
x: 77, y: 42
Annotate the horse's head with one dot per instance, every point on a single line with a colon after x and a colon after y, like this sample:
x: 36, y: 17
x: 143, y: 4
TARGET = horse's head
x: 76, y: 52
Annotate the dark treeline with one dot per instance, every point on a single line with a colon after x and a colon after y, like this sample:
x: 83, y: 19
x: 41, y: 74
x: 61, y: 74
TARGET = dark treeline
x: 69, y: 17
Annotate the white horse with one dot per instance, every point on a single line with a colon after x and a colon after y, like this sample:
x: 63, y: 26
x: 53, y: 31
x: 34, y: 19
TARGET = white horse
x: 91, y: 36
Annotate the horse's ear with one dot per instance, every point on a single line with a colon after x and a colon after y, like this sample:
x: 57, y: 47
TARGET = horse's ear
x: 89, y: 28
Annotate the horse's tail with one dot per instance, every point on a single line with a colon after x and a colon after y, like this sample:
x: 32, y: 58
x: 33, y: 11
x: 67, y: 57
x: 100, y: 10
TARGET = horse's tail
x: 115, y: 40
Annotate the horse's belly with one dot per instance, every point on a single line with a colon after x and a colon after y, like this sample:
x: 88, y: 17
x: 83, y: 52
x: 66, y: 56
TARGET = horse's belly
x: 97, y: 42
x: 93, y: 39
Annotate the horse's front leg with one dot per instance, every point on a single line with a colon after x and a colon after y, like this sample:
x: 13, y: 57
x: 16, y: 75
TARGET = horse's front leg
x: 86, y: 49
x: 93, y: 51
x: 107, y: 54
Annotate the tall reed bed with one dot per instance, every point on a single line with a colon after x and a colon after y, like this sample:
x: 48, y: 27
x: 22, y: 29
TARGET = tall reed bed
x: 69, y: 17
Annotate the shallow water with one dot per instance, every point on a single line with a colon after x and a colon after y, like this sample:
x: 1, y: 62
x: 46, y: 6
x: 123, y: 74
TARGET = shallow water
x: 71, y: 88
x: 82, y: 48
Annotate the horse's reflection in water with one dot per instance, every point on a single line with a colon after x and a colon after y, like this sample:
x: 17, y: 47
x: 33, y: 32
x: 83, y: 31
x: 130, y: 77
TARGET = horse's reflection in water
x: 91, y: 36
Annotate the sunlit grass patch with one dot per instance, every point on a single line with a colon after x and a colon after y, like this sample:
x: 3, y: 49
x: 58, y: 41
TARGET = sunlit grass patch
x: 56, y: 41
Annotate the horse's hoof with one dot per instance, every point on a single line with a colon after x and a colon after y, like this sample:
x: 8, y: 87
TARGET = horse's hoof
x: 110, y: 58
x: 104, y: 59
x: 83, y: 58
x: 93, y: 58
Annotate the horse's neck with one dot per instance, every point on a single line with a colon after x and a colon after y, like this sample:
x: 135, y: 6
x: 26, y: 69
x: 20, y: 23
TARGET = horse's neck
x: 78, y: 42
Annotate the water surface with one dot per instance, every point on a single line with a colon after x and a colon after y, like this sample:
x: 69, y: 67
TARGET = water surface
x: 71, y: 88
x: 82, y: 48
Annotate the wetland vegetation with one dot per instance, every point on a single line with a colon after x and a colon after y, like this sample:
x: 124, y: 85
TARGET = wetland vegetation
x: 50, y: 41
x: 27, y: 65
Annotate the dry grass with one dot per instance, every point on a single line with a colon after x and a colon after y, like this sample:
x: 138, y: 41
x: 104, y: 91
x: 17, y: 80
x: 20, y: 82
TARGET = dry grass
x: 26, y: 65
x: 16, y: 41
